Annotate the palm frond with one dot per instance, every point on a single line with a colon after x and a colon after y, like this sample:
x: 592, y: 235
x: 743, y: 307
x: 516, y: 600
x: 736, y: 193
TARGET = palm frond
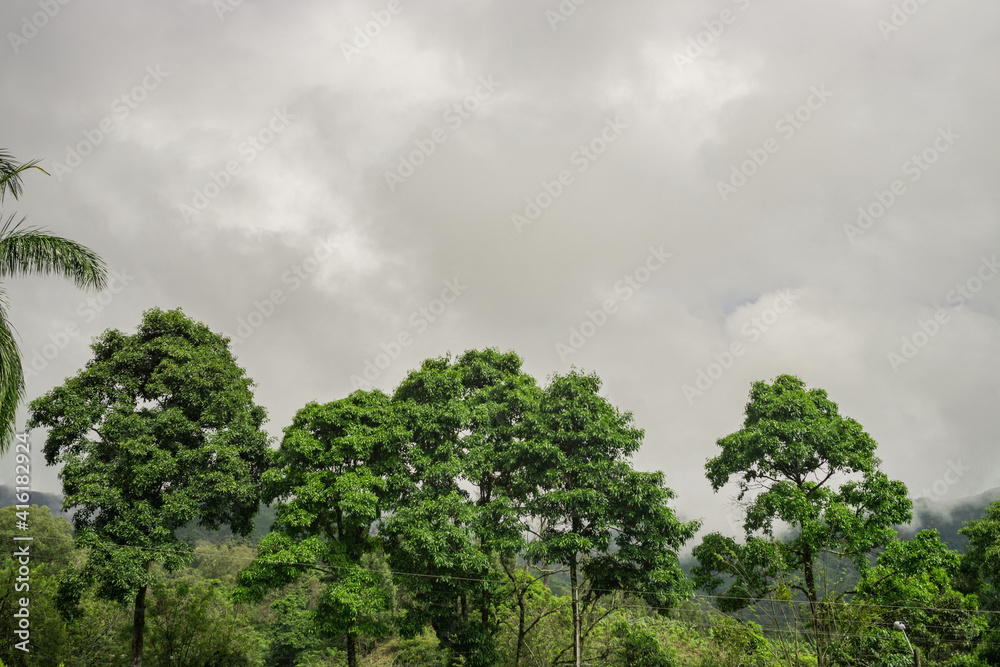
x: 10, y: 174
x: 33, y: 251
x: 11, y: 379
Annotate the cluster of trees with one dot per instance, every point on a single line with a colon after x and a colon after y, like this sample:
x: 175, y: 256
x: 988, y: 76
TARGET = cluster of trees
x: 460, y: 502
x: 457, y: 506
x: 466, y: 478
x: 820, y: 521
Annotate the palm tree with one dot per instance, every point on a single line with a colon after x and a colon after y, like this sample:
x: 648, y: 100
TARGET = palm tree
x: 28, y: 251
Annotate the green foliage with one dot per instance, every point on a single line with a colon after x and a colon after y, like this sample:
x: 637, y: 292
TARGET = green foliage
x: 979, y: 574
x: 292, y: 630
x: 401, y: 525
x: 30, y: 251
x: 48, y: 633
x: 640, y: 647
x: 492, y: 459
x: 865, y: 637
x: 793, y: 443
x: 743, y: 644
x: 599, y: 517
x: 100, y: 636
x: 49, y: 552
x: 338, y: 470
x: 195, y: 625
x: 911, y: 581
x: 422, y: 651
x: 966, y: 660
x: 980, y: 565
x: 989, y: 650
x: 752, y: 570
x: 52, y: 540
x: 158, y: 430
x: 327, y: 657
x: 464, y: 419
x: 793, y: 450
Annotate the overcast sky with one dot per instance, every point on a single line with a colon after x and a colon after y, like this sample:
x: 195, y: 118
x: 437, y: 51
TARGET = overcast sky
x: 684, y: 197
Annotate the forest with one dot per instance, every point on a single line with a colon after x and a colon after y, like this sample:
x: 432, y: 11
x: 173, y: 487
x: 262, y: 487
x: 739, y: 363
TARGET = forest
x: 471, y: 517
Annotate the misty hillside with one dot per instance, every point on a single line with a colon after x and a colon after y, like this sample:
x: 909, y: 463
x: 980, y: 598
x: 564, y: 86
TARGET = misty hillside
x: 51, y: 500
x: 191, y: 532
x: 945, y: 516
x: 948, y: 516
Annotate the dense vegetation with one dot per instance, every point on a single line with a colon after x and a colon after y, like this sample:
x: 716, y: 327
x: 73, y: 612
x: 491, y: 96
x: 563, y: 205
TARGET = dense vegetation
x: 470, y: 517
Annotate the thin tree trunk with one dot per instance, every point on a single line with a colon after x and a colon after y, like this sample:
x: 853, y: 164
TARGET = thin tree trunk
x: 807, y: 566
x: 577, y: 648
x: 138, y: 625
x: 352, y: 649
x: 520, y: 630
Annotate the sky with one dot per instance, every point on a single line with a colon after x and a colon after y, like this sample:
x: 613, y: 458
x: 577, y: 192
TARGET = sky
x: 681, y: 197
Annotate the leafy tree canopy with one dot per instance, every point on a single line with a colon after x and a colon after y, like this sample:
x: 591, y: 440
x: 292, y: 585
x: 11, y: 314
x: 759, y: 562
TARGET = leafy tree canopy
x: 158, y: 430
x: 812, y: 490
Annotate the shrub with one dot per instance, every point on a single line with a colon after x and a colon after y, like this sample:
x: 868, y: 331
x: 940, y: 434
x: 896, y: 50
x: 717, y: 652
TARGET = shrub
x: 640, y: 648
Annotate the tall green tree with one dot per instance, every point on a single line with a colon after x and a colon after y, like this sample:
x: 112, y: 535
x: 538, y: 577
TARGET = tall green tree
x: 610, y: 525
x: 979, y: 572
x: 809, y: 477
x: 337, y: 472
x: 432, y: 535
x: 498, y: 396
x: 157, y: 431
x: 28, y: 251
x: 462, y: 523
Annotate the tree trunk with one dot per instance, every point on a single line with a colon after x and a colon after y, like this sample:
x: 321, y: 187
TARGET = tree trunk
x: 138, y: 625
x: 520, y: 629
x: 352, y: 649
x: 807, y: 569
x: 577, y: 648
